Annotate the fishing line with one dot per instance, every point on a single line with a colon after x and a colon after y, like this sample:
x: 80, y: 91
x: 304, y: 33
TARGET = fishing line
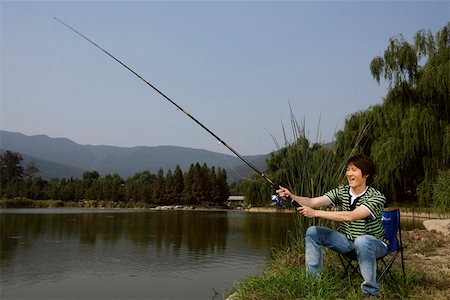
x: 275, y: 186
x: 230, y: 167
x: 49, y: 78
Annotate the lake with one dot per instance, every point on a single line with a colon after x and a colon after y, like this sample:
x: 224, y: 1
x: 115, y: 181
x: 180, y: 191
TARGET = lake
x: 128, y: 254
x: 135, y: 254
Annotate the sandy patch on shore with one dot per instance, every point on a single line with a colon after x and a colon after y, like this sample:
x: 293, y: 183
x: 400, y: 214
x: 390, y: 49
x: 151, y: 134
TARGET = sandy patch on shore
x: 428, y: 253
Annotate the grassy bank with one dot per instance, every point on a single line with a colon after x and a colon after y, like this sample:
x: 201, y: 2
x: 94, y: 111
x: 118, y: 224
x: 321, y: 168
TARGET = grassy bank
x: 285, y: 278
x: 27, y: 203
x: 97, y: 204
x: 427, y: 260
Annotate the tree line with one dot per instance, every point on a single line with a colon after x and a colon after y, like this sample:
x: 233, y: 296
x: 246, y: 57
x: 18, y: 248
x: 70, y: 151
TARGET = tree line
x: 198, y: 185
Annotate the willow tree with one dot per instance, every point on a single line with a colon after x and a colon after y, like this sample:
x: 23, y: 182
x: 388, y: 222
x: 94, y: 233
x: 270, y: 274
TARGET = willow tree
x: 408, y: 135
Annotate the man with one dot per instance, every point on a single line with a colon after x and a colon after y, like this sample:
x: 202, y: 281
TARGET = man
x: 359, y: 216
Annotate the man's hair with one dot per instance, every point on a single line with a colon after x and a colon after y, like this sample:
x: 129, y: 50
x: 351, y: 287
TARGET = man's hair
x: 365, y: 164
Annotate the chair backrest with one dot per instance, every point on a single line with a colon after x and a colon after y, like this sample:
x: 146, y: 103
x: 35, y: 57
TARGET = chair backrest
x: 391, y: 224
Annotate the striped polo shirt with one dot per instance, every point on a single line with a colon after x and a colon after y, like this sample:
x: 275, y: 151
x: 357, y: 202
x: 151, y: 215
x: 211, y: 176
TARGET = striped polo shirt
x: 372, y: 199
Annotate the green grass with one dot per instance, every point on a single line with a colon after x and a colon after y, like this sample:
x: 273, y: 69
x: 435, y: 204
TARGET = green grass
x: 285, y: 278
x: 290, y: 283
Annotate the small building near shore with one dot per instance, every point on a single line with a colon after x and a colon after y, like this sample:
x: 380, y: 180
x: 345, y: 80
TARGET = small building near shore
x: 235, y: 200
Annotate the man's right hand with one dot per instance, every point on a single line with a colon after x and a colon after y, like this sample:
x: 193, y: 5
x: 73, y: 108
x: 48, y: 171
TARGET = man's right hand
x: 284, y: 192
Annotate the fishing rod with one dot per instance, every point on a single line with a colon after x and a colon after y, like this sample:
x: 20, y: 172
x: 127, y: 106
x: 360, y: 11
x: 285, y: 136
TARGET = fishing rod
x: 275, y: 186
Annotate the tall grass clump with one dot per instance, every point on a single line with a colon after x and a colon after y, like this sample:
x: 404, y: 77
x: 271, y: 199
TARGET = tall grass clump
x: 310, y: 169
x: 441, y: 192
x: 307, y: 169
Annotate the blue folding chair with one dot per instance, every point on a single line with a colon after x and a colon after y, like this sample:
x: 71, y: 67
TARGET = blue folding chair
x: 393, y: 233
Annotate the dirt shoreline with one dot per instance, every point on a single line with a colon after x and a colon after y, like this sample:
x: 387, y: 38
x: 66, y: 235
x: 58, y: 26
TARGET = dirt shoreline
x: 407, y: 212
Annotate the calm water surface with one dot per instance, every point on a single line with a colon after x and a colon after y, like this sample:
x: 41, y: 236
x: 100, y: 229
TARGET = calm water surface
x: 99, y: 254
x: 127, y: 254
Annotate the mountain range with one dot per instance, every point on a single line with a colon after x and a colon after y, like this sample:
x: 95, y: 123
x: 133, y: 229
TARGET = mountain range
x: 64, y: 158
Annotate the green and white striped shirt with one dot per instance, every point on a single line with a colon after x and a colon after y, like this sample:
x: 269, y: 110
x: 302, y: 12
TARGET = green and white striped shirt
x: 372, y: 199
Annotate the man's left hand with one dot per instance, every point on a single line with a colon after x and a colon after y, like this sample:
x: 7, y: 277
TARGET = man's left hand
x: 307, y: 211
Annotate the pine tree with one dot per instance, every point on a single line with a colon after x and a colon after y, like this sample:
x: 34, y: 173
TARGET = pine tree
x: 188, y: 197
x: 222, y: 186
x: 200, y: 184
x: 159, y: 188
x: 215, y: 193
x: 169, y: 195
x: 178, y: 184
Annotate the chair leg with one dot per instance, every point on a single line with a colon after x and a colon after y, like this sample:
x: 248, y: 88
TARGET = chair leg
x: 383, y: 270
x: 347, y: 264
x: 387, y: 267
x: 403, y: 266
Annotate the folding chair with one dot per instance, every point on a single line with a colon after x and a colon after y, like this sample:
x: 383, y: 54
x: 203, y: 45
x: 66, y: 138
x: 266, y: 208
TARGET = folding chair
x: 393, y: 233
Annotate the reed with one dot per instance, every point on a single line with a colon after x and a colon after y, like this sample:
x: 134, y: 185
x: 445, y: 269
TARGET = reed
x: 307, y: 169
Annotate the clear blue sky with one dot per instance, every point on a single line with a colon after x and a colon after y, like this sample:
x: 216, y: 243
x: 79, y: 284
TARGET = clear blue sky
x: 235, y: 66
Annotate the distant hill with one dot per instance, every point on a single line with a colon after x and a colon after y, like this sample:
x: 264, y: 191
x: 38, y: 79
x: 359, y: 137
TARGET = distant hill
x: 63, y: 158
x: 49, y: 170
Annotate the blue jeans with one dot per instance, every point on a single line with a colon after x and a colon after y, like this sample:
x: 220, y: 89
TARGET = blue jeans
x: 367, y: 247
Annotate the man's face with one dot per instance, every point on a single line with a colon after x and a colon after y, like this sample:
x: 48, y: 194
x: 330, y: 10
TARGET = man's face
x: 355, y: 177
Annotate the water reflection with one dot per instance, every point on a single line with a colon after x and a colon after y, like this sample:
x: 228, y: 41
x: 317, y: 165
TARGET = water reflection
x: 150, y: 251
x: 196, y: 231
x: 411, y: 223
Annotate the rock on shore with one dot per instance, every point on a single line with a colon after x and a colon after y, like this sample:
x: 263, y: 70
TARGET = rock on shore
x: 441, y: 226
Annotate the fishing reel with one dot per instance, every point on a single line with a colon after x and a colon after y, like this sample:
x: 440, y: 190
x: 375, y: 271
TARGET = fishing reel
x: 279, y: 201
